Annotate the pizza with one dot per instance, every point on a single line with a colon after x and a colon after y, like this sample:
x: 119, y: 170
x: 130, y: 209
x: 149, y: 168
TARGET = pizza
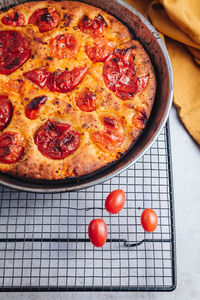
x: 76, y: 89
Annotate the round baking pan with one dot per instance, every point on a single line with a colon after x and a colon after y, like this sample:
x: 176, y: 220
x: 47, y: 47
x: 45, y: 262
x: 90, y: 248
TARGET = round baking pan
x: 150, y: 39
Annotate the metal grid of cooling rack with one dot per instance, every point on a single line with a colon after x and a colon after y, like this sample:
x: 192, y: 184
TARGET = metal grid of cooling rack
x: 44, y: 243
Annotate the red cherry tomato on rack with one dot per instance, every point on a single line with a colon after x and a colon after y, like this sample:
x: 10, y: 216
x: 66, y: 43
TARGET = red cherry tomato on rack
x: 149, y: 220
x: 97, y: 232
x: 115, y: 201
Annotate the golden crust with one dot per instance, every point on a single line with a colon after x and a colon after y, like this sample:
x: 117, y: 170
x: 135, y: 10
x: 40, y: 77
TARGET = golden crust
x: 62, y: 107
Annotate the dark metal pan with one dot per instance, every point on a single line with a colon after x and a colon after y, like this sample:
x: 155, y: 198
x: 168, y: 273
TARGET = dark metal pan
x: 154, y: 46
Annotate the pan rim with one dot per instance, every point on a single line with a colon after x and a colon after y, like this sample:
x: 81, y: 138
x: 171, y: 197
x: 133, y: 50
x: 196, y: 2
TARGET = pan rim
x: 147, y: 145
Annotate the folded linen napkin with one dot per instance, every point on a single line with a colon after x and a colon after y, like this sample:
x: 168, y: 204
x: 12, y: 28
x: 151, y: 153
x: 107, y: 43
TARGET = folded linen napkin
x: 178, y: 22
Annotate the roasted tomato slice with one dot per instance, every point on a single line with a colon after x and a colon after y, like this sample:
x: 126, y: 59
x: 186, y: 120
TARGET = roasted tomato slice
x: 100, y: 51
x: 45, y: 19
x: 86, y: 100
x: 15, y: 19
x: 94, y: 27
x: 140, y: 118
x: 64, y: 46
x: 6, y: 111
x: 38, y: 76
x: 61, y: 82
x: 33, y: 107
x: 55, y: 140
x: 11, y: 147
x: 142, y: 83
x: 14, y: 51
x: 119, y: 73
x: 66, y: 81
x: 113, y: 135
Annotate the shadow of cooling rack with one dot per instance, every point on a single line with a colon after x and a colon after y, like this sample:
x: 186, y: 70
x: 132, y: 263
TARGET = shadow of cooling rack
x: 44, y: 243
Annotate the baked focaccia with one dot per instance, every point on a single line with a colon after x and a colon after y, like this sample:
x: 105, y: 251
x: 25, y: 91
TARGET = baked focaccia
x: 76, y: 89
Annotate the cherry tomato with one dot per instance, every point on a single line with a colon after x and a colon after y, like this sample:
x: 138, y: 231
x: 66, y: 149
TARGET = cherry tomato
x: 97, y: 232
x: 55, y: 140
x: 142, y: 83
x: 61, y: 82
x: 94, y: 27
x: 45, y: 19
x: 140, y: 118
x: 111, y: 137
x: 33, y: 107
x: 6, y: 111
x: 99, y: 51
x: 115, y: 201
x: 119, y: 73
x: 14, y: 51
x: 64, y: 46
x: 149, y: 220
x: 11, y: 147
x: 15, y: 19
x: 86, y: 101
x: 38, y: 76
x: 66, y: 81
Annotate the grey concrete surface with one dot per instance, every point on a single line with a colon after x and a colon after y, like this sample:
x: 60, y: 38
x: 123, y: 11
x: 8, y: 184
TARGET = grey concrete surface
x: 186, y: 169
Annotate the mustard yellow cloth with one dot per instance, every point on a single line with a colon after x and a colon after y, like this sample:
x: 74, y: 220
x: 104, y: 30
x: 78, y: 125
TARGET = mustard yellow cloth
x: 179, y: 22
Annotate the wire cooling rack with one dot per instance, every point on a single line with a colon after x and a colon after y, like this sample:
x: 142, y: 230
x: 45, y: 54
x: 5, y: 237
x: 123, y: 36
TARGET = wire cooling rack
x: 44, y: 243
